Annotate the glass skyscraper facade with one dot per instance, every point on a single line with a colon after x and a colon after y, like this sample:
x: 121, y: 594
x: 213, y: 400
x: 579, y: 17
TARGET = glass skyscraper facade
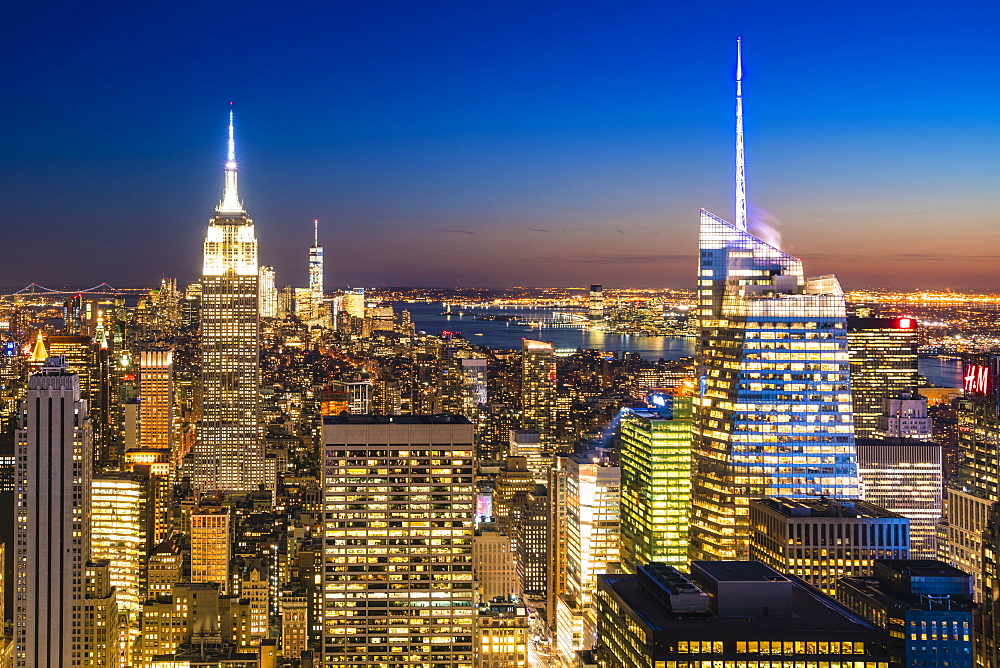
x: 773, y: 416
x: 655, y: 484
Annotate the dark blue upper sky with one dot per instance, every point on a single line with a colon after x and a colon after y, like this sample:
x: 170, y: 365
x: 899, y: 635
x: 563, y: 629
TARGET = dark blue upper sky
x: 503, y: 143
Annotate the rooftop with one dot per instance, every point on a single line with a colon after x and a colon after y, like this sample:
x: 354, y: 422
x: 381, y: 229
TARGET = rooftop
x: 809, y: 610
x: 824, y: 507
x: 443, y: 418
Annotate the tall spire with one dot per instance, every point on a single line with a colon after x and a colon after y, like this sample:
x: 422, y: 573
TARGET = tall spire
x: 230, y: 197
x: 315, y: 233
x: 741, y: 177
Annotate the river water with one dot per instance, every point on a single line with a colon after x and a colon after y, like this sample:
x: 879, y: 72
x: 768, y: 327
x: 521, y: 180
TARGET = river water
x: 500, y: 334
x: 506, y: 335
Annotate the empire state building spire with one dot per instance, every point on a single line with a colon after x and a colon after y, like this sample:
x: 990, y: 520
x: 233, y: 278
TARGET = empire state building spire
x: 230, y: 197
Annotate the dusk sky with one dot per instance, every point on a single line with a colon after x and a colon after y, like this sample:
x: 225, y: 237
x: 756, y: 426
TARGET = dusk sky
x: 500, y: 143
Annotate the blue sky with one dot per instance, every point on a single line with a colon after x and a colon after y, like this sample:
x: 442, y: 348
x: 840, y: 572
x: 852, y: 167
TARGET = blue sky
x: 514, y: 143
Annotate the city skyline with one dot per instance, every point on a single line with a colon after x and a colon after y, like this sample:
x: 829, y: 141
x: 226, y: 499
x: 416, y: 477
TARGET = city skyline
x: 564, y: 147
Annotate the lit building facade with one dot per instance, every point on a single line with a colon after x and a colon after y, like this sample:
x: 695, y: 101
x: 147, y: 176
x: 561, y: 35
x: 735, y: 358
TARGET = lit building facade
x: 316, y: 278
x: 118, y: 534
x: 974, y: 491
x: 211, y: 546
x: 823, y: 540
x: 52, y: 520
x: 268, y: 291
x: 592, y: 545
x: 655, y: 452
x: 905, y: 476
x: 538, y: 389
x: 734, y: 614
x: 595, y: 303
x: 156, y: 399
x: 926, y: 605
x: 229, y: 452
x: 502, y: 634
x: 398, y: 499
x: 883, y: 364
x: 774, y: 415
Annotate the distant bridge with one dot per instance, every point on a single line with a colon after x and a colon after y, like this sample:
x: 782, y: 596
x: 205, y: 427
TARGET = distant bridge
x: 34, y: 289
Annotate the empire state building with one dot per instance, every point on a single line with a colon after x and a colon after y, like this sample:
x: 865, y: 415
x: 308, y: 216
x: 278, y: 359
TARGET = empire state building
x: 229, y: 451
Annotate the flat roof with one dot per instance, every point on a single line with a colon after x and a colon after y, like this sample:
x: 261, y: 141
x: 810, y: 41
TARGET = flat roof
x: 443, y: 418
x: 740, y: 571
x: 811, y: 612
x: 824, y: 507
x: 924, y: 568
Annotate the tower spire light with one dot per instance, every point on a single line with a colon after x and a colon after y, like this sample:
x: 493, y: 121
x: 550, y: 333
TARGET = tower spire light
x: 316, y: 233
x: 741, y: 177
x: 230, y: 197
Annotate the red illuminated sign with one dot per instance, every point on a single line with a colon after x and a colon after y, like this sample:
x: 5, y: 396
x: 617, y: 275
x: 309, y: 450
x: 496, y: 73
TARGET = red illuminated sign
x: 976, y: 379
x: 907, y: 323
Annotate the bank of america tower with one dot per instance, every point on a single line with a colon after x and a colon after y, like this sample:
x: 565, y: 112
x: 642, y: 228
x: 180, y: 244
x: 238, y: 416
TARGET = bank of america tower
x: 773, y: 416
x: 229, y: 450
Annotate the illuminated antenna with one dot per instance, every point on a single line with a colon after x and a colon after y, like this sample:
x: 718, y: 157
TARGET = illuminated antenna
x: 316, y: 233
x: 230, y: 197
x: 232, y: 142
x: 741, y: 176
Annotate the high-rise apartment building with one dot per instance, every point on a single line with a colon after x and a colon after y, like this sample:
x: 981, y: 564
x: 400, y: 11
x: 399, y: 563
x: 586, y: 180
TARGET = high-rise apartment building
x: 823, y: 540
x: 398, y: 499
x: 655, y: 453
x: 156, y: 399
x: 229, y: 452
x: 538, y: 389
x: 773, y: 417
x: 905, y: 476
x: 52, y: 497
x: 883, y: 364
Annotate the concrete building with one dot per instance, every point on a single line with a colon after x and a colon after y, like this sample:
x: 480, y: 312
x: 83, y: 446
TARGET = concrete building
x: 398, y: 498
x: 905, y: 477
x: 502, y: 629
x: 211, y: 545
x: 538, y: 389
x: 883, y: 365
x: 728, y: 613
x: 925, y: 605
x: 52, y: 520
x: 823, y: 540
x: 493, y: 563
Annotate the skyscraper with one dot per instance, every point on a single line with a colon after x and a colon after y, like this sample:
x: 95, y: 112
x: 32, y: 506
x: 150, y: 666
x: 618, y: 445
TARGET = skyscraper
x: 156, y: 394
x: 883, y: 364
x: 774, y: 413
x: 316, y: 277
x: 52, y: 520
x: 655, y: 456
x: 538, y: 389
x: 229, y: 452
x: 595, y: 304
x: 398, y: 505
